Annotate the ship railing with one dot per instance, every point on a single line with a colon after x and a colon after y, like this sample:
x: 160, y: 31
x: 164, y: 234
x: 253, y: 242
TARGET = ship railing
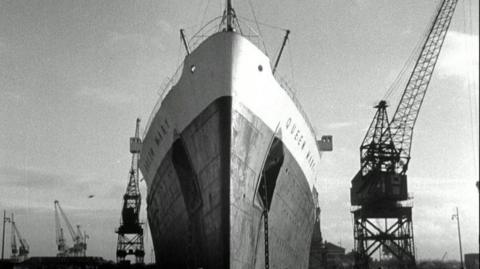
x: 292, y: 93
x: 207, y: 30
x: 162, y: 93
x: 211, y: 27
x: 215, y: 25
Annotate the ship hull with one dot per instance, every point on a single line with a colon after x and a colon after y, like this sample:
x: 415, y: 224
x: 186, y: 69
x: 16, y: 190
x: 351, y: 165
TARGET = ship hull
x: 214, y: 165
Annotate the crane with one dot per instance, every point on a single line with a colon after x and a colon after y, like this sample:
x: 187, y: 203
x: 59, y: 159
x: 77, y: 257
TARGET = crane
x: 444, y: 255
x: 20, y: 253
x: 13, y: 242
x: 79, y: 244
x: 380, y: 186
x: 130, y: 232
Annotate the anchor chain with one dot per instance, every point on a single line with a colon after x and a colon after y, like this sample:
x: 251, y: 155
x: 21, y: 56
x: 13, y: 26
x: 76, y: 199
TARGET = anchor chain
x: 265, y: 223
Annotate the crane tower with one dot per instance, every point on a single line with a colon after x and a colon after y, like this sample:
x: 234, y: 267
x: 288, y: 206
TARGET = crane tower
x: 379, y: 194
x: 130, y: 232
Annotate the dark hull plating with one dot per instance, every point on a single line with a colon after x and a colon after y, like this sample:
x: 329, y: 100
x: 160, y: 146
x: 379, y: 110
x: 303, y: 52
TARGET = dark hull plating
x: 204, y: 208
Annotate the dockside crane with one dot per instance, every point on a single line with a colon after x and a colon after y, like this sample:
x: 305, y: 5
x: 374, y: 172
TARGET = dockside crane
x: 13, y: 241
x: 60, y: 238
x: 21, y: 253
x: 379, y: 190
x: 130, y: 232
x: 79, y: 247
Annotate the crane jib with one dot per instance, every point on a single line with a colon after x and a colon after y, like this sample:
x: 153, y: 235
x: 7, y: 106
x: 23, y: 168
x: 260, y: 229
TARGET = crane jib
x: 406, y: 114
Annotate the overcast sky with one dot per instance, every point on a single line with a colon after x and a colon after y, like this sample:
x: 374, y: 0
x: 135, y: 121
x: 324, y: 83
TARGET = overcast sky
x: 74, y: 75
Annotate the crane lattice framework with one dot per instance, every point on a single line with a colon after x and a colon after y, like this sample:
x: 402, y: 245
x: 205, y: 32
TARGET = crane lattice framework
x: 19, y: 253
x: 383, y: 214
x: 79, y: 247
x: 130, y: 232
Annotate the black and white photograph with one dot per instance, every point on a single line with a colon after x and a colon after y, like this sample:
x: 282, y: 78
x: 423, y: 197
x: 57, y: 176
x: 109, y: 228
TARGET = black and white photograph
x: 227, y: 134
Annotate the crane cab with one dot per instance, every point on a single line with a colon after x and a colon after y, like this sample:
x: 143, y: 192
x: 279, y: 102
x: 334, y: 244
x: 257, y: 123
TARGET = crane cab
x: 378, y: 187
x: 135, y: 144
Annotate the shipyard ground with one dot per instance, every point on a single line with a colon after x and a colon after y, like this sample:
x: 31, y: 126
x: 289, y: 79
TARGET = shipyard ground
x: 70, y: 263
x: 99, y: 263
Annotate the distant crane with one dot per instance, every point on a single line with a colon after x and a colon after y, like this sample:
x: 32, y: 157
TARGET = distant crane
x: 79, y: 247
x: 444, y: 255
x: 130, y: 232
x: 380, y: 187
x: 21, y: 253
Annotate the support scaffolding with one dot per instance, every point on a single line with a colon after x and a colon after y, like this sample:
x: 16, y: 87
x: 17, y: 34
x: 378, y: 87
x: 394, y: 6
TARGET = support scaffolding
x: 388, y: 229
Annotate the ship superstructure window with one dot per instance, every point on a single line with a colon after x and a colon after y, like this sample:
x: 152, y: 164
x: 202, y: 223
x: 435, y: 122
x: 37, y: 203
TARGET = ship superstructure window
x: 270, y: 172
x: 186, y: 176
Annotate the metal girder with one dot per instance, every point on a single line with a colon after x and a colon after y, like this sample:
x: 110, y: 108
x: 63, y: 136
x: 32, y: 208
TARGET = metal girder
x: 378, y: 151
x: 406, y: 114
x: 130, y: 244
x: 395, y: 235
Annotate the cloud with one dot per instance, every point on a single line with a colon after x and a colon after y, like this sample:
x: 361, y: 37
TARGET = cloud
x: 11, y: 95
x: 3, y: 45
x: 33, y: 188
x: 459, y: 56
x: 361, y: 3
x: 119, y: 41
x: 165, y: 26
x: 32, y: 178
x: 116, y: 37
x: 25, y: 191
x: 106, y: 95
x: 339, y: 125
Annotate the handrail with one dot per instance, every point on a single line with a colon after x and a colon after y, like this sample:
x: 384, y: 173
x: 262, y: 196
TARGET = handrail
x: 291, y: 93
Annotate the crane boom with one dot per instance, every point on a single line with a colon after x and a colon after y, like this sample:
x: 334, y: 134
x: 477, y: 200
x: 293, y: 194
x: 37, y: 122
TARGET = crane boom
x: 14, y: 239
x: 18, y: 253
x: 72, y: 232
x: 59, y: 231
x: 24, y: 247
x: 406, y: 114
x: 79, y: 244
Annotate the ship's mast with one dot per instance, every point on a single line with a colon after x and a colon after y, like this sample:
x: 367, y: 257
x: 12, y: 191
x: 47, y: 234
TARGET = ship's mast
x: 229, y: 16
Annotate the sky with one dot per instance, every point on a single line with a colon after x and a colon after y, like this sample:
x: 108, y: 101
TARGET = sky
x: 75, y: 75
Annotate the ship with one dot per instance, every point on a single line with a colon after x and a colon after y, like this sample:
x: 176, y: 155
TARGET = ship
x: 230, y: 162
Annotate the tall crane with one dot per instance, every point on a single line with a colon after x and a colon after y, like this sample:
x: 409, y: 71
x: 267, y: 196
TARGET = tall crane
x: 130, y: 232
x: 13, y: 241
x: 79, y: 247
x: 379, y: 189
x: 21, y: 253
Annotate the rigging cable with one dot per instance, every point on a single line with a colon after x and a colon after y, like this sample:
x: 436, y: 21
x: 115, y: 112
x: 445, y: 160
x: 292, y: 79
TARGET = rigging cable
x: 290, y: 60
x: 406, y: 67
x: 395, y: 87
x: 264, y: 24
x: 468, y: 28
x: 205, y: 12
x: 258, y: 27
